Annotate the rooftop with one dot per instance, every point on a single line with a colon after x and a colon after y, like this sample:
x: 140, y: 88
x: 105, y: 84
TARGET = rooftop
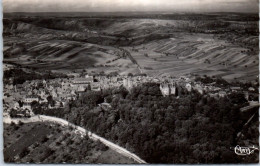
x: 89, y: 79
x: 31, y: 96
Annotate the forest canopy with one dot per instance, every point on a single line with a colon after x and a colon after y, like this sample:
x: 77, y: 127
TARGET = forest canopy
x: 191, y: 128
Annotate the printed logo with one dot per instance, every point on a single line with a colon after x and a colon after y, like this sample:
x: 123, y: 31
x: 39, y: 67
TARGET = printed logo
x: 243, y: 151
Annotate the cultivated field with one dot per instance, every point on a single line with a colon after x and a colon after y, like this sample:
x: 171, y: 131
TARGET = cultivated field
x: 196, y: 54
x: 52, y: 143
x: 223, y: 45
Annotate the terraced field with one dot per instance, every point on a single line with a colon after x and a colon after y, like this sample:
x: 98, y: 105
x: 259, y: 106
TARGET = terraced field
x: 215, y: 44
x: 196, y: 54
x: 51, y: 143
x: 68, y: 55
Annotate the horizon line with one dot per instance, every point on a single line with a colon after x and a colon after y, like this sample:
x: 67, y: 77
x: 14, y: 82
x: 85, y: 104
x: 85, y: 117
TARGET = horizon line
x: 181, y: 12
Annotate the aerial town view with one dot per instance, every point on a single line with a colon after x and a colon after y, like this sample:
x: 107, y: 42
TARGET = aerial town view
x: 145, y: 86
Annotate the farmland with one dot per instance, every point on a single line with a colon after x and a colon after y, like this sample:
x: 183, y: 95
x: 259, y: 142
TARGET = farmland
x: 198, y: 54
x: 224, y: 45
x: 51, y: 143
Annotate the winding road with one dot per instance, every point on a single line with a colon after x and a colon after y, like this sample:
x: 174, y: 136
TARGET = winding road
x: 42, y: 118
x: 128, y: 54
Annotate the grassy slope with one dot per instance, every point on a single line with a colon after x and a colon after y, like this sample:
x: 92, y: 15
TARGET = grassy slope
x: 59, y: 140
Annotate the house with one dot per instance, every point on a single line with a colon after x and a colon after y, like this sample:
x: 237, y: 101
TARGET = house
x: 42, y: 93
x: 43, y: 100
x: 172, y: 89
x: 16, y: 105
x: 50, y: 87
x: 235, y: 89
x: 184, y: 78
x: 20, y: 86
x: 81, y: 84
x: 54, y: 94
x: 89, y: 76
x: 27, y: 113
x: 9, y: 86
x: 44, y: 82
x: 156, y: 80
x: 128, y: 83
x: 31, y: 98
x: 86, y: 80
x: 50, y: 106
x: 251, y: 89
x: 167, y: 89
x: 81, y: 89
x: 222, y: 93
x: 95, y: 86
x: 59, y: 91
x: 188, y: 87
x: 105, y: 106
x: 198, y: 88
x: 62, y: 104
x: 214, y: 95
x: 35, y: 91
x: 73, y: 92
x: 246, y: 94
x: 58, y: 104
x: 24, y: 113
x: 27, y: 106
x: 253, y: 103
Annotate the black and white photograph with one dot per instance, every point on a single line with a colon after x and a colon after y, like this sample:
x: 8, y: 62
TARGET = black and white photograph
x: 130, y: 81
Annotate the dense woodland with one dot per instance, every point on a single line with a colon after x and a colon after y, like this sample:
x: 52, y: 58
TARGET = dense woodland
x: 191, y: 128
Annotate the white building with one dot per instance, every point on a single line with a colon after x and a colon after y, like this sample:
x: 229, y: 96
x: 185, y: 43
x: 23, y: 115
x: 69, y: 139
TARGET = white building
x: 16, y: 105
x: 251, y: 89
x: 86, y: 80
x: 167, y: 89
x: 198, y: 88
x: 95, y: 86
x: 128, y: 83
x: 80, y: 84
x: 31, y: 98
x: 188, y: 87
x: 27, y: 106
x: 222, y: 93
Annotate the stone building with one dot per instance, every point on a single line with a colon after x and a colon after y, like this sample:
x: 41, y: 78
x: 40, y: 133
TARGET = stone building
x: 168, y: 89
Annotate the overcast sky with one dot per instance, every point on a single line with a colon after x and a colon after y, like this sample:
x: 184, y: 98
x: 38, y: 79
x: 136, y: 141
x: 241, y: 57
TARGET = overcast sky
x: 130, y: 5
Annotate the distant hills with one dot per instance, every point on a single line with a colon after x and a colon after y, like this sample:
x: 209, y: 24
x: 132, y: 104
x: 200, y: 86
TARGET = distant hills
x: 220, y: 44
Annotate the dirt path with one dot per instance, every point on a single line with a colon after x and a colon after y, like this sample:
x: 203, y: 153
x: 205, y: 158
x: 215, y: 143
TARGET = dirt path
x: 42, y: 118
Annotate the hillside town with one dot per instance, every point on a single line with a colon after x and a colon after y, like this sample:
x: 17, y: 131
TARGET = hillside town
x: 56, y: 93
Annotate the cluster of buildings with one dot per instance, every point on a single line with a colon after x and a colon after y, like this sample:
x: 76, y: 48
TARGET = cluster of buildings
x: 174, y: 86
x: 56, y: 93
x: 51, y: 94
x: 82, y: 84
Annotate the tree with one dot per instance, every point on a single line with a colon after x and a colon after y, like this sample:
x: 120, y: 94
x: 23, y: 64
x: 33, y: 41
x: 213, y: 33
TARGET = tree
x: 130, y: 75
x: 237, y: 98
x: 50, y: 100
x: 20, y: 103
x: 24, y: 152
x: 20, y: 123
x: 35, y: 105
